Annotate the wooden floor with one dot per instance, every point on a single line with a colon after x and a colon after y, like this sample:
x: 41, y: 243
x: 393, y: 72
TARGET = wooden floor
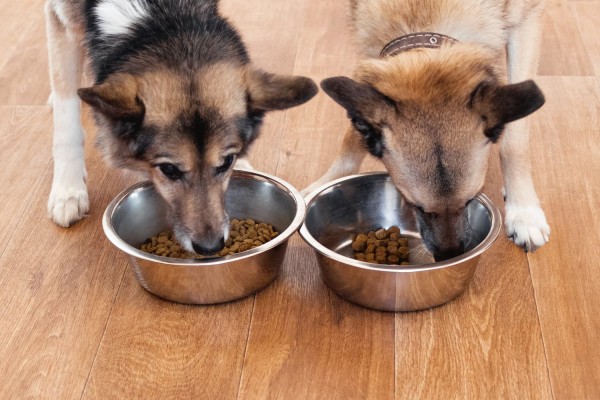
x: 75, y: 324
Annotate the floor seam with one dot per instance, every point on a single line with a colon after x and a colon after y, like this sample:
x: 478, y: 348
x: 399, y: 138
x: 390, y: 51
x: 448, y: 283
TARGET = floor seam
x: 537, y: 311
x: 246, y: 347
x: 103, y: 332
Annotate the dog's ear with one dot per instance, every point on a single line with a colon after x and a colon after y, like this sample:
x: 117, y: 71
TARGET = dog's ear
x: 267, y: 92
x: 499, y: 105
x: 366, y: 107
x: 359, y: 99
x: 116, y: 98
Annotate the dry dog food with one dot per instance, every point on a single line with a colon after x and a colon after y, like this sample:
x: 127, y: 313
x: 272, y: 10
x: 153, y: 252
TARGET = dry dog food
x: 384, y: 246
x: 244, y: 235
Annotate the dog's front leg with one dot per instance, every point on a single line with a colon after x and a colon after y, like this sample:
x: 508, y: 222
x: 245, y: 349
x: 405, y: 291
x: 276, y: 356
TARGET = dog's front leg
x: 244, y: 164
x: 347, y: 162
x: 525, y: 220
x: 68, y: 200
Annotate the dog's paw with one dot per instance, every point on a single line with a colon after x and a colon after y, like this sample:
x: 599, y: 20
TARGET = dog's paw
x: 526, y: 226
x: 68, y: 205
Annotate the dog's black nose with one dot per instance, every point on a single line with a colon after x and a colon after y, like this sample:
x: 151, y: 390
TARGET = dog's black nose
x: 447, y: 254
x: 206, y: 251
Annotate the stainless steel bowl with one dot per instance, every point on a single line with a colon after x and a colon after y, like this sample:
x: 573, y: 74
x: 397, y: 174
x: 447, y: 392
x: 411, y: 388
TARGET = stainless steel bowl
x: 359, y: 203
x: 140, y: 212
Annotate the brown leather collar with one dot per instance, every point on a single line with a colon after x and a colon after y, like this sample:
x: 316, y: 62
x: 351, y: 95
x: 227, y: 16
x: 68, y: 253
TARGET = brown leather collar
x: 429, y: 40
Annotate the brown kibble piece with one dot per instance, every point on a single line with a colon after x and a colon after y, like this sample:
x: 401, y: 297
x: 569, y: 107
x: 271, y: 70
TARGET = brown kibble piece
x: 370, y: 257
x: 359, y: 245
x: 362, y: 237
x: 381, y: 234
x: 392, y: 259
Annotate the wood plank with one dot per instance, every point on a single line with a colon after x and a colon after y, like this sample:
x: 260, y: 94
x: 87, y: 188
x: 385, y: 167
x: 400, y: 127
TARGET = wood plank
x: 562, y: 49
x: 58, y: 286
x: 24, y: 79
x: 153, y: 349
x: 306, y: 342
x: 587, y: 15
x: 565, y: 273
x: 18, y: 18
x: 23, y: 136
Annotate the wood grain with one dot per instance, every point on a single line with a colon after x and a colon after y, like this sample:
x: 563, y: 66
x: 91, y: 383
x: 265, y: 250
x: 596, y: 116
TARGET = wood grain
x: 587, y: 15
x: 75, y: 324
x: 60, y: 286
x: 562, y: 50
x: 565, y: 274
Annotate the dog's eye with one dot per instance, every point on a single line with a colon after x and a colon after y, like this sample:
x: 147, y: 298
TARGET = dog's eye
x: 171, y: 171
x: 361, y: 125
x: 227, y: 163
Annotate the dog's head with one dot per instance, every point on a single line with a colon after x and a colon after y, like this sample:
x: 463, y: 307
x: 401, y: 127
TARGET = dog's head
x: 430, y: 116
x: 186, y: 131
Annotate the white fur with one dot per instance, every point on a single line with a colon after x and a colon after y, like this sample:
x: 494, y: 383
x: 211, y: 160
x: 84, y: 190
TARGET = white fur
x: 68, y: 200
x: 118, y: 16
x: 526, y: 226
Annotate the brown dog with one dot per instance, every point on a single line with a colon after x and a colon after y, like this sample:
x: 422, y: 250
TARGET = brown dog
x: 176, y: 98
x: 432, y: 103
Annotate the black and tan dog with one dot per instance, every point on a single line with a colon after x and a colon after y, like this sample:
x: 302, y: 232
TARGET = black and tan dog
x: 175, y: 98
x: 432, y: 103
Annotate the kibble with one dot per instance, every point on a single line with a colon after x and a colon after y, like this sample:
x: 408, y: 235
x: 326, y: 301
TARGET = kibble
x: 244, y: 235
x: 382, y: 246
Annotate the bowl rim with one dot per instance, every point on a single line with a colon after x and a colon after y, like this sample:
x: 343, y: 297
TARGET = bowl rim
x: 122, y: 245
x: 496, y: 223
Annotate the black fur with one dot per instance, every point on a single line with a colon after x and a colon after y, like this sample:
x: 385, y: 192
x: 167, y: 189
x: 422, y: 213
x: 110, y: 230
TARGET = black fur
x: 372, y: 137
x: 499, y: 105
x: 444, y: 183
x: 362, y: 101
x: 183, y: 35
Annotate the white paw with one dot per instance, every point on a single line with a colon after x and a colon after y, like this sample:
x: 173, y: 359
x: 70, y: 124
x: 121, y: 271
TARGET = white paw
x: 68, y: 205
x: 526, y: 226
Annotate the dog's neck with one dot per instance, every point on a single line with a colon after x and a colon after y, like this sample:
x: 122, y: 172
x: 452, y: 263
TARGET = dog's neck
x: 378, y: 22
x: 419, y: 40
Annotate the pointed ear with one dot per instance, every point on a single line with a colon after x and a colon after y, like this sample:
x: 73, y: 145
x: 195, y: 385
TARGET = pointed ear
x: 116, y: 98
x: 359, y: 99
x: 499, y: 105
x: 269, y: 92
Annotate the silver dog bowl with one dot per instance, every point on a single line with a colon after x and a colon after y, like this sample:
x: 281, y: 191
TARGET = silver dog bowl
x: 359, y: 203
x: 139, y: 213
